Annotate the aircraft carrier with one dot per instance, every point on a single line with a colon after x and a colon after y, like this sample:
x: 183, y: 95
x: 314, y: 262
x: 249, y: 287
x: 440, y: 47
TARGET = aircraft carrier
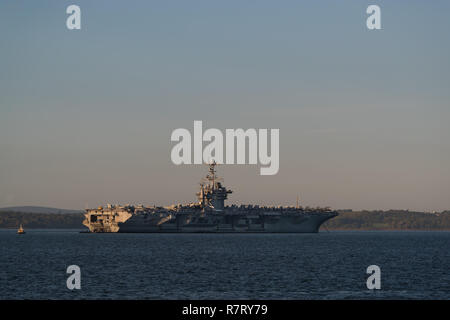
x: 209, y: 214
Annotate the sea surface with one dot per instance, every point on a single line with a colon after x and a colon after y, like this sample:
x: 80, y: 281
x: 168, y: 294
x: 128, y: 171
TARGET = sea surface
x: 327, y: 265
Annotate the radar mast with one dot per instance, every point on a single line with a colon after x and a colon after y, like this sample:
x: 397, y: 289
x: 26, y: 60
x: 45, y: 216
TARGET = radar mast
x: 213, y: 195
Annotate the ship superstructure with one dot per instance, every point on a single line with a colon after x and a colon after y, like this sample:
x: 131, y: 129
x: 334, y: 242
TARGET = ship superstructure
x: 212, y: 194
x: 209, y: 214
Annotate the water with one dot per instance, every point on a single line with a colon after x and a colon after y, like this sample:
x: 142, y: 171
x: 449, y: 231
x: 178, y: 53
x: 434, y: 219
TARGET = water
x: 414, y: 265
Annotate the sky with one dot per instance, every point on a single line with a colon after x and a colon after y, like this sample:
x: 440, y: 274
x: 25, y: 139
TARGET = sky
x: 86, y: 115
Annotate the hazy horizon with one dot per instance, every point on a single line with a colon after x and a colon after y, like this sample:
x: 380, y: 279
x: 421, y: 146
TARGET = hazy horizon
x: 86, y: 115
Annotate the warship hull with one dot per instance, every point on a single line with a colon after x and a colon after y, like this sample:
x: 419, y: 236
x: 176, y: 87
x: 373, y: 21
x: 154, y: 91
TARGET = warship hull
x: 217, y: 223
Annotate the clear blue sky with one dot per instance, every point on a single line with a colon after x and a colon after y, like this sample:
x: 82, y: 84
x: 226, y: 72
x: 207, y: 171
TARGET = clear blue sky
x: 86, y: 116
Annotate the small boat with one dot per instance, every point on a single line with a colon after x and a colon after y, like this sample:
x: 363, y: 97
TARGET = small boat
x: 21, y: 231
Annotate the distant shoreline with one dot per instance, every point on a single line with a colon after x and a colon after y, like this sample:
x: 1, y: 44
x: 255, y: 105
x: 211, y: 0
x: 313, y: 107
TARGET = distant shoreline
x: 80, y: 230
x: 392, y: 220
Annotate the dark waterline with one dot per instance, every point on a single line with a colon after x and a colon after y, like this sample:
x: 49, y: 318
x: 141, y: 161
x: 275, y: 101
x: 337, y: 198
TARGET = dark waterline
x: 328, y: 265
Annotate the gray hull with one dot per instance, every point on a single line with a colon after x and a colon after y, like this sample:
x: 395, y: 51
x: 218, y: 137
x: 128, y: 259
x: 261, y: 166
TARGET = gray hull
x: 235, y: 224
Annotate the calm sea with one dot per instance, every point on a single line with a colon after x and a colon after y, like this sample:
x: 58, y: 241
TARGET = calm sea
x: 414, y: 265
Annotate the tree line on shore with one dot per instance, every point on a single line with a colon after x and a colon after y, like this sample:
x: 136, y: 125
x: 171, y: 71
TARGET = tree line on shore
x: 11, y: 220
x: 389, y: 220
